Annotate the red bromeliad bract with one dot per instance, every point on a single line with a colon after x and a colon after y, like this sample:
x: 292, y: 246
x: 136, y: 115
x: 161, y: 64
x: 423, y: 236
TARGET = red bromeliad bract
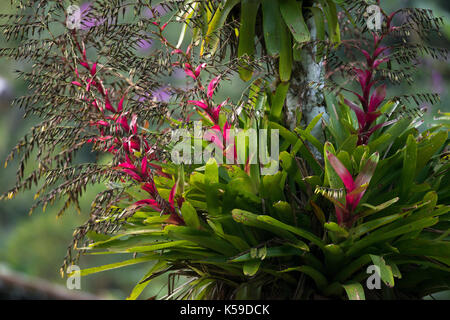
x: 355, y: 188
x: 131, y: 142
x: 370, y: 102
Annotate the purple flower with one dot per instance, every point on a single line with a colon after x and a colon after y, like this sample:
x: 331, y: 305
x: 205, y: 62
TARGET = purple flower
x: 144, y: 45
x: 158, y: 9
x: 88, y: 21
x: 161, y: 94
x: 437, y: 81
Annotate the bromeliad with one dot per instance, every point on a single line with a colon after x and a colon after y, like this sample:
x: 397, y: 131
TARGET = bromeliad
x: 366, y: 78
x: 354, y: 188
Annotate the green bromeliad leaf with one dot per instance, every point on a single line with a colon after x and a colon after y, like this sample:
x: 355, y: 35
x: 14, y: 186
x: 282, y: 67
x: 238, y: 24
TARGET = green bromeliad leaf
x: 409, y: 166
x: 249, y: 10
x: 251, y: 267
x: 319, y: 279
x: 386, y: 273
x: 273, y: 252
x: 158, y: 268
x: 116, y: 265
x: 355, y: 291
x: 291, y: 10
x: 190, y: 215
x: 272, y: 26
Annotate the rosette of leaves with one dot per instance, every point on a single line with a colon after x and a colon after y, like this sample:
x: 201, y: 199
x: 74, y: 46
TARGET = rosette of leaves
x: 251, y: 236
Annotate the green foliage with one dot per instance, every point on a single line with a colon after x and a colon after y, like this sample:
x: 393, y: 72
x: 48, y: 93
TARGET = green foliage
x: 260, y: 240
x: 312, y: 228
x: 283, y: 25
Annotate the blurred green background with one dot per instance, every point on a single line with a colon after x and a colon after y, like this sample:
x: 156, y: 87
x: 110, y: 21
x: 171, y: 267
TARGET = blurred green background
x: 36, y: 245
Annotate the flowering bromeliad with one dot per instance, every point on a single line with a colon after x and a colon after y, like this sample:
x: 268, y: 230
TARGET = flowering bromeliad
x: 144, y: 176
x: 218, y: 135
x: 129, y: 140
x: 137, y: 156
x: 354, y: 188
x: 370, y: 102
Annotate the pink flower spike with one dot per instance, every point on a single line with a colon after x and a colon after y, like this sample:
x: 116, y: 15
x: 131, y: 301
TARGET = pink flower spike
x: 199, y: 69
x: 95, y: 104
x: 361, y: 99
x: 102, y: 123
x: 188, y: 71
x: 132, y: 174
x: 120, y: 105
x: 190, y: 74
x: 378, y: 51
x: 88, y: 86
x: 214, y: 135
x: 133, y: 123
x: 105, y: 138
x: 94, y: 69
x: 127, y: 165
x: 148, y: 202
x: 341, y: 171
x: 363, y: 77
x: 172, y: 196
x: 131, y: 145
x: 212, y: 86
x: 164, y: 26
x: 368, y: 57
x: 124, y: 123
x: 108, y: 105
x: 377, y: 98
x: 188, y: 50
x: 149, y: 187
x: 85, y: 64
x: 372, y: 116
x: 200, y: 104
x: 340, y: 214
x: 379, y: 126
x: 144, y: 166
x: 216, y: 111
x: 76, y: 83
x: 176, y: 51
x: 379, y: 61
x: 76, y: 72
x: 376, y: 38
x: 360, y: 115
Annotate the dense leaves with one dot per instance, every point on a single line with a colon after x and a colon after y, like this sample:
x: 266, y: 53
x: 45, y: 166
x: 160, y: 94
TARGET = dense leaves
x: 373, y: 193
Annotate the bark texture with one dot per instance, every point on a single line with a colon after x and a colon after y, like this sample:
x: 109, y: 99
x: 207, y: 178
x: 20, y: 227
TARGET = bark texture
x: 304, y: 97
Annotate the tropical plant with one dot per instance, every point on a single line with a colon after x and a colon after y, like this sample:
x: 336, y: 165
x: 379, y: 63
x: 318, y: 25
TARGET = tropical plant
x: 372, y: 193
x: 283, y: 25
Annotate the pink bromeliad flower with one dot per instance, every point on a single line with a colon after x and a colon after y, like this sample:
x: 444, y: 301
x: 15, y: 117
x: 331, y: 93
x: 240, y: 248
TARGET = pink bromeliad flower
x: 355, y: 188
x: 371, y: 101
x: 217, y: 134
x: 128, y: 138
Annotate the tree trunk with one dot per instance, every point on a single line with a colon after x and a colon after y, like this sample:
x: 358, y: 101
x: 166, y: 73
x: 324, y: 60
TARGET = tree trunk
x: 304, y: 97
